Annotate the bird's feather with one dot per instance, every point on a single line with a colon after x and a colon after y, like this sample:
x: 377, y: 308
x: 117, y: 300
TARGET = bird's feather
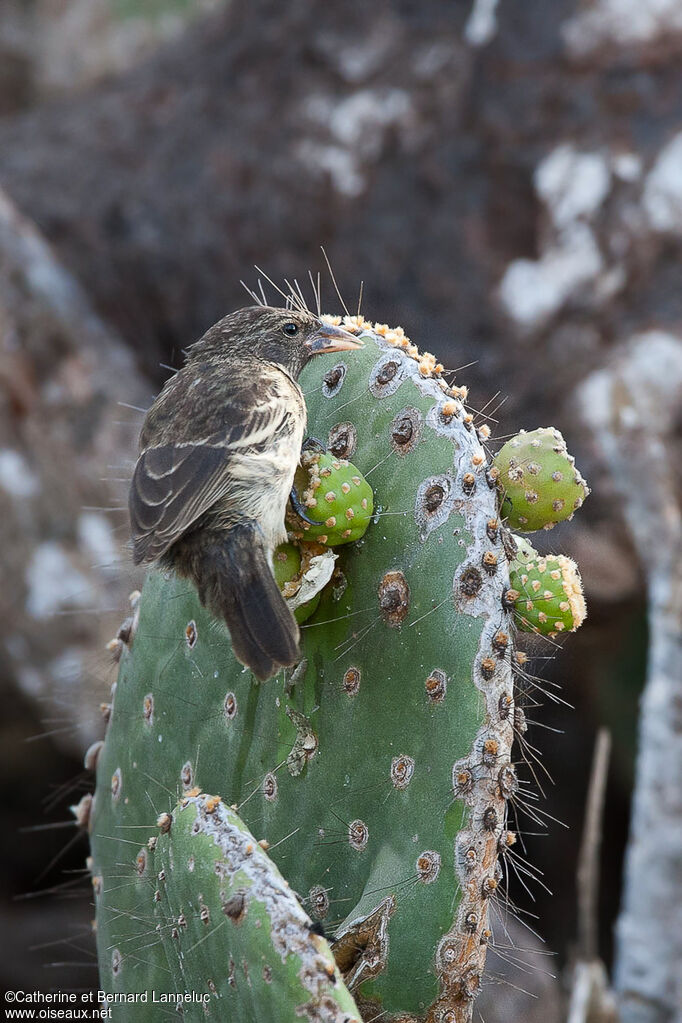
x: 237, y: 584
x: 172, y: 487
x: 180, y: 474
x: 218, y: 452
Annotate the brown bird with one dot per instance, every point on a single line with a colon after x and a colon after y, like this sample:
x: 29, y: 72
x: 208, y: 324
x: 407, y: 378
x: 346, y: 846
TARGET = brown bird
x: 218, y: 452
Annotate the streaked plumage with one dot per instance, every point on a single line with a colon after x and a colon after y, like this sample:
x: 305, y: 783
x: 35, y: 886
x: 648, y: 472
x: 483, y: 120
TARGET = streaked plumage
x: 218, y: 452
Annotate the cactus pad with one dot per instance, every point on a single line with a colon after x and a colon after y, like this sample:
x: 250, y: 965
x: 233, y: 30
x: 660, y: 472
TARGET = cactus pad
x: 235, y: 936
x: 380, y: 768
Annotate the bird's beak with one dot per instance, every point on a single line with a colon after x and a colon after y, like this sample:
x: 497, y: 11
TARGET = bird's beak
x: 331, y: 339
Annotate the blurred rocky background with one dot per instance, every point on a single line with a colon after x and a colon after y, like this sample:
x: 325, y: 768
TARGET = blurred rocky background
x: 506, y: 179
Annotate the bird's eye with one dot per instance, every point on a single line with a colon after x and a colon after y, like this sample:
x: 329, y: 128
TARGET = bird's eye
x: 290, y: 329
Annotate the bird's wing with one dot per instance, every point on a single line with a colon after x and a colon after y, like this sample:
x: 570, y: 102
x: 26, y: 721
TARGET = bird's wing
x: 175, y: 483
x: 172, y: 486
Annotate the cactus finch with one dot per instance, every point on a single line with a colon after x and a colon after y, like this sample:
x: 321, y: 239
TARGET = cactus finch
x: 218, y: 452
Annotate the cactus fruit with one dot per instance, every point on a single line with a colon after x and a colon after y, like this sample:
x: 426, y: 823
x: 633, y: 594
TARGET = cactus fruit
x: 290, y: 564
x: 538, y: 480
x: 546, y: 592
x: 336, y: 497
x: 378, y: 770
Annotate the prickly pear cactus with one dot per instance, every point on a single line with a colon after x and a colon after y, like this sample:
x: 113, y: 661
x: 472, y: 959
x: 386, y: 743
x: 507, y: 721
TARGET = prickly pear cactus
x: 378, y: 771
x: 210, y: 872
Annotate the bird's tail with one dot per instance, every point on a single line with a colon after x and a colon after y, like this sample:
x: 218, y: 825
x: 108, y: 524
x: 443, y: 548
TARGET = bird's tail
x: 235, y: 581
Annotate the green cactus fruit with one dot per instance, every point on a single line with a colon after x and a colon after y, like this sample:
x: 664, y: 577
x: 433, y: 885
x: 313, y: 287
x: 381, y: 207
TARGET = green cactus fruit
x: 524, y: 551
x: 287, y: 568
x: 336, y: 496
x: 538, y: 480
x: 380, y: 768
x: 236, y: 938
x: 546, y: 591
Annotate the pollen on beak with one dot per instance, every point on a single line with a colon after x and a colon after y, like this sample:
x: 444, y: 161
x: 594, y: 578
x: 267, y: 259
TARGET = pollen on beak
x: 331, y: 339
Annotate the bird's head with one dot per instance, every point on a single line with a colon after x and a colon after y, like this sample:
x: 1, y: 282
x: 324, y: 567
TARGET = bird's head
x: 287, y: 337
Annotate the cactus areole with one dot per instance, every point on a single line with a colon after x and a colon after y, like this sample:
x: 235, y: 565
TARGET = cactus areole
x: 376, y: 774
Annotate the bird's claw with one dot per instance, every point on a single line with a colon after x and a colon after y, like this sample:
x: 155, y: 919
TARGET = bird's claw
x: 299, y: 508
x: 313, y: 444
x: 318, y: 447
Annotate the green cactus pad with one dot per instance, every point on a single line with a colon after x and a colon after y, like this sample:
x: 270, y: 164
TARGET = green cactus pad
x: 546, y: 591
x: 336, y: 495
x: 538, y: 480
x: 287, y: 569
x: 379, y: 769
x: 234, y: 934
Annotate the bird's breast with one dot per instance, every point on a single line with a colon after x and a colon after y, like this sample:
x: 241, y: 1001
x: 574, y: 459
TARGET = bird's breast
x: 261, y: 480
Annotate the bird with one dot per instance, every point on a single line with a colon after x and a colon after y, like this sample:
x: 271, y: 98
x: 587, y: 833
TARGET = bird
x: 218, y: 451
